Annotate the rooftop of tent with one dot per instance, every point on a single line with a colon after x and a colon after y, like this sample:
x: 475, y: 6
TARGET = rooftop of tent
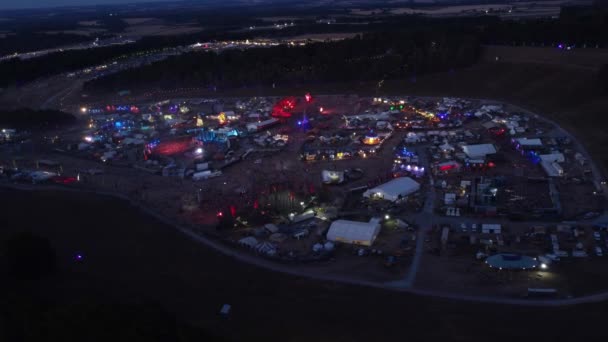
x: 511, y: 261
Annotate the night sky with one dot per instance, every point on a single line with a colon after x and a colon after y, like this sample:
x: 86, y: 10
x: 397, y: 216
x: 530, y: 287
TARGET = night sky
x: 15, y: 4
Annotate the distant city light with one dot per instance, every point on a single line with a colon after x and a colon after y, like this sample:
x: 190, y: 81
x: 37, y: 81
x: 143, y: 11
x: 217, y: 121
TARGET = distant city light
x: 543, y: 266
x: 83, y: 109
x: 199, y: 150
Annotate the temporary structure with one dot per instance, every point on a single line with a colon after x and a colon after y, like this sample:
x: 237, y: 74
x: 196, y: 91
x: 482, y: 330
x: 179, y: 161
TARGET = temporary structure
x: 353, y: 232
x: 332, y: 177
x: 491, y: 228
x: 525, y: 142
x: 479, y: 151
x: 248, y: 241
x: 394, y: 189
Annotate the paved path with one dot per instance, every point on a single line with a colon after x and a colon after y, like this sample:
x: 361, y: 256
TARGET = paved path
x: 425, y: 219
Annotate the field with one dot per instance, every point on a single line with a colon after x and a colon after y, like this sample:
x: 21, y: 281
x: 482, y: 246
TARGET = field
x: 131, y: 258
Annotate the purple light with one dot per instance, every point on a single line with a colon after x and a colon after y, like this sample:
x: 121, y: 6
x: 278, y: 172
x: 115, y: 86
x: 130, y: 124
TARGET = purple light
x: 561, y: 46
x: 79, y: 257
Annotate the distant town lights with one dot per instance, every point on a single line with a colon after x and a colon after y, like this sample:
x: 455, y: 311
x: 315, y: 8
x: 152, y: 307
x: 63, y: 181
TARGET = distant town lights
x: 83, y: 109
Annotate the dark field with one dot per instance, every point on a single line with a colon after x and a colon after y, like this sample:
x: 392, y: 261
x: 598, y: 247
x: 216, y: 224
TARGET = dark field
x: 130, y: 259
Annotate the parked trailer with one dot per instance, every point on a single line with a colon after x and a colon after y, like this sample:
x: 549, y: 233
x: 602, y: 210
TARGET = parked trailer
x: 202, y: 167
x: 201, y: 175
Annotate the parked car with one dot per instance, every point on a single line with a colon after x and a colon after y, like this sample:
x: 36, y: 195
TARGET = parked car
x: 474, y: 228
x: 596, y: 236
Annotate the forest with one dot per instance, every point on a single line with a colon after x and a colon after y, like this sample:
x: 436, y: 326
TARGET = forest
x: 582, y: 27
x: 26, y: 118
x: 373, y: 56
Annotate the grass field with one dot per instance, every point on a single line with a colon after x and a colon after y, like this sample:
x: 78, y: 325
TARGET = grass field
x: 130, y: 258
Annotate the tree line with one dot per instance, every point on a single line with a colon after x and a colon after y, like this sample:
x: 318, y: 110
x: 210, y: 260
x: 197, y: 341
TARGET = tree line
x: 368, y: 57
x: 575, y: 26
x: 26, y: 118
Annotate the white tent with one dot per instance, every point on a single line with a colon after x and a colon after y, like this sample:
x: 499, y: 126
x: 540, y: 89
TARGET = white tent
x: 478, y: 151
x: 332, y: 177
x: 248, y: 241
x: 553, y: 169
x: 354, y: 232
x: 549, y: 163
x: 391, y: 190
x: 271, y: 228
x: 553, y: 157
x: 449, y: 198
x: 487, y: 228
x: 445, y: 147
x: 265, y: 248
x: 535, y: 142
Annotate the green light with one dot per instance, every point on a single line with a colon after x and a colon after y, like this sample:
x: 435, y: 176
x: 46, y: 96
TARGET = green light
x: 392, y: 107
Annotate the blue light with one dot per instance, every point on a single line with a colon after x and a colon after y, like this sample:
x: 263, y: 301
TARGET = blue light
x: 118, y: 124
x: 534, y: 157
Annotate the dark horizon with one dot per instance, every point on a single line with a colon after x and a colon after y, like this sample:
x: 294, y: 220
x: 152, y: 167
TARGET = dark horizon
x: 35, y: 4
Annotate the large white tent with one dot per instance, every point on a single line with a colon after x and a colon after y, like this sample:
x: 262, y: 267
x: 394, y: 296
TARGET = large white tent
x: 353, y: 232
x: 479, y: 151
x: 391, y: 190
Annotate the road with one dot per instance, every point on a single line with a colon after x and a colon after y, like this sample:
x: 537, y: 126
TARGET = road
x: 425, y: 220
